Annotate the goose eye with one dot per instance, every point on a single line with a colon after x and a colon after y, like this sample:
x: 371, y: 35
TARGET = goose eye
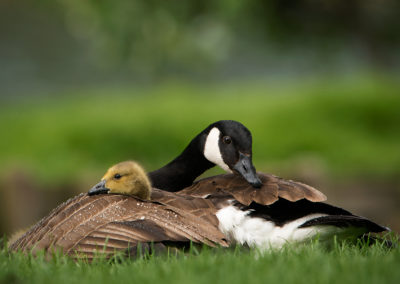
x: 227, y: 139
x: 117, y: 176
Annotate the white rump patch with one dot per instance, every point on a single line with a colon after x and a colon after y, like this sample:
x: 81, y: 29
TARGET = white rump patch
x: 212, y: 151
x: 240, y: 228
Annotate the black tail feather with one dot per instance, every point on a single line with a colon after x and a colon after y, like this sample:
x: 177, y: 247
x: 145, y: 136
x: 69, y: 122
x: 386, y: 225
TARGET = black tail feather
x: 345, y: 221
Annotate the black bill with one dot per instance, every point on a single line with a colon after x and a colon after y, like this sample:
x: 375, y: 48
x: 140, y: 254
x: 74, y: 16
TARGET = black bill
x: 245, y: 168
x: 99, y: 188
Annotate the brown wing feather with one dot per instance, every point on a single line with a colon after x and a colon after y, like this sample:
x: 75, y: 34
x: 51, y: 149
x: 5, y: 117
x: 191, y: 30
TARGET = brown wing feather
x: 199, y: 207
x: 272, y: 189
x: 122, y: 236
x: 116, y: 222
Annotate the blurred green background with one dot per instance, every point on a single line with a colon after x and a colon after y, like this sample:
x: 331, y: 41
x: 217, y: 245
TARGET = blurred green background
x: 86, y: 84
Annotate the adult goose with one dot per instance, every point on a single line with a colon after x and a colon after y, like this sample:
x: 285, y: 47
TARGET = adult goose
x: 88, y: 223
x: 263, y: 210
x: 106, y: 222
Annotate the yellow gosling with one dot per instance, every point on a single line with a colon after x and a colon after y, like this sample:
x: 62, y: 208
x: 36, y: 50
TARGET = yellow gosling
x: 127, y: 178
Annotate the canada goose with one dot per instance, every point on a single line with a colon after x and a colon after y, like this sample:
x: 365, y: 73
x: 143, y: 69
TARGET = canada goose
x: 118, y: 222
x: 114, y: 222
x: 263, y: 211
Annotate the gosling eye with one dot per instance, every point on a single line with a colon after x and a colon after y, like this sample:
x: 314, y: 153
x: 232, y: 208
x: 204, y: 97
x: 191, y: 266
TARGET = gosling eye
x: 227, y: 139
x: 117, y: 176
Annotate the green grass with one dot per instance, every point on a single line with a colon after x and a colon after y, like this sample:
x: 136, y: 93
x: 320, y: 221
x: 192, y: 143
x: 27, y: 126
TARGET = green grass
x: 306, y: 264
x: 346, y: 127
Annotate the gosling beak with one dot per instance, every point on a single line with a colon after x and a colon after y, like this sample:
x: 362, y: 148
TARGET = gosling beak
x: 245, y: 168
x: 99, y: 188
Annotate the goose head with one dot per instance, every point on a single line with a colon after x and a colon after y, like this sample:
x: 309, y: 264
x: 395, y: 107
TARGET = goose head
x: 127, y: 178
x: 228, y: 144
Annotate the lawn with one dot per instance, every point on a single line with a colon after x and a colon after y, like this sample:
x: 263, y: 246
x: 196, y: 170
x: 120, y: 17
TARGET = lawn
x: 310, y: 263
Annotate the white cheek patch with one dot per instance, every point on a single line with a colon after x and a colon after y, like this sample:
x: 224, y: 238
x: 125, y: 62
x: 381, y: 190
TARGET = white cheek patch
x: 212, y: 151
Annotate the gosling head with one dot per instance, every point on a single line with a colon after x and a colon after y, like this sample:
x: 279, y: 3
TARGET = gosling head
x: 124, y: 178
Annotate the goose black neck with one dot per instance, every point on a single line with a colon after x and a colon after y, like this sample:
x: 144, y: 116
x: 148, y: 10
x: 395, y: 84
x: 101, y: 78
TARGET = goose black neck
x: 184, y: 169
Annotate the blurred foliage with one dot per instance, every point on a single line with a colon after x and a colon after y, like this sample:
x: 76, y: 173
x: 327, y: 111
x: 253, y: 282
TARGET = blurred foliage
x: 51, y: 45
x: 350, y: 127
x: 157, y: 37
x: 177, y: 34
